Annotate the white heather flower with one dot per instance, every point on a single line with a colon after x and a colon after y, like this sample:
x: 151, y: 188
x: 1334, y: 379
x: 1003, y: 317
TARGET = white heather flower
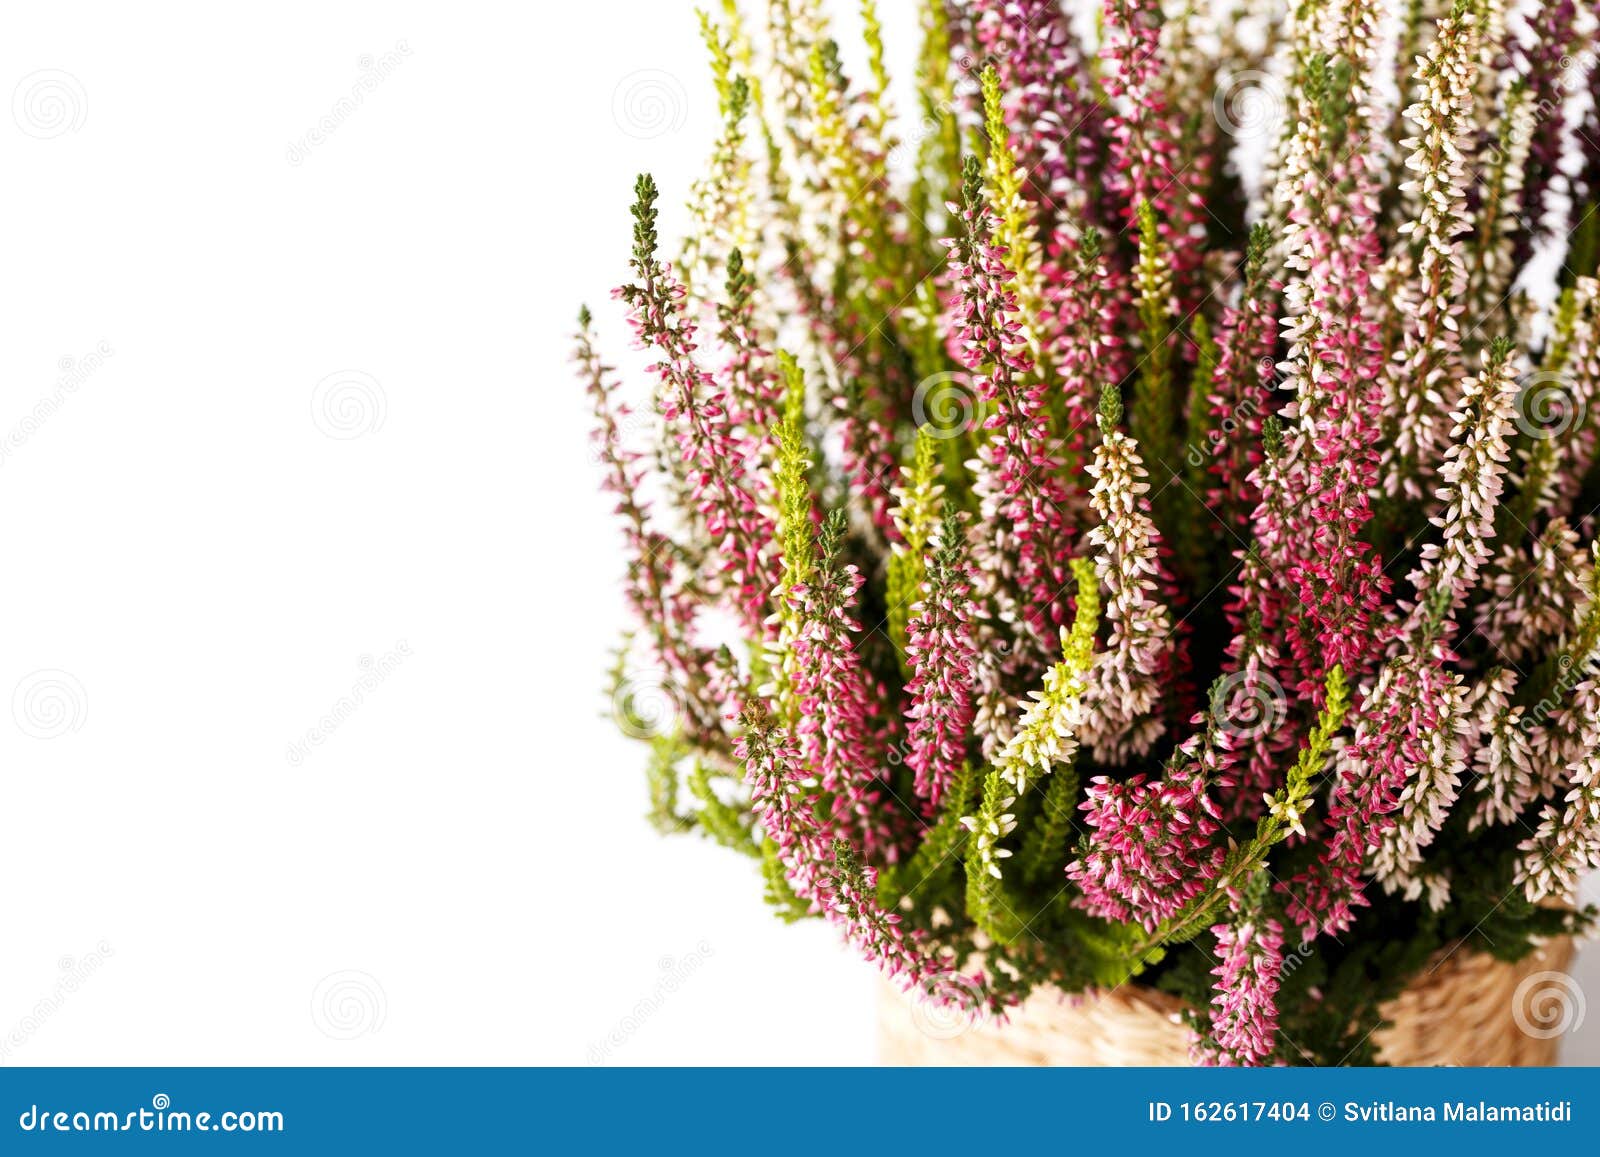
x: 1432, y: 783
x: 987, y: 835
x: 1500, y: 745
x: 1473, y: 477
x: 1047, y: 730
x: 1125, y: 690
x: 1568, y: 840
x: 1432, y: 276
x: 1286, y: 811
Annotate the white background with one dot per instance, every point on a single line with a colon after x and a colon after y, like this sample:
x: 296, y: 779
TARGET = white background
x: 195, y: 569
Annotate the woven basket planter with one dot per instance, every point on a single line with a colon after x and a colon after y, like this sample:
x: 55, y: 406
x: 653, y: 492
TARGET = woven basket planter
x: 1470, y: 1009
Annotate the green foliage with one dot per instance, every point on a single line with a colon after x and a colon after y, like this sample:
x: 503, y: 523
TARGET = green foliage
x: 727, y: 825
x: 793, y: 476
x: 1153, y: 399
x: 917, y: 515
x: 925, y: 877
x: 778, y: 894
x: 662, y: 775
x: 987, y: 903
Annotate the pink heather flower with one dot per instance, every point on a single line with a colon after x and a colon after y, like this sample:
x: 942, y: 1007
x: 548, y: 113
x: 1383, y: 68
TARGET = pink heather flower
x: 834, y: 697
x: 1016, y: 480
x: 655, y: 587
x: 1146, y: 161
x: 825, y: 872
x: 867, y: 459
x: 1436, y: 759
x: 940, y: 651
x: 1150, y: 849
x: 1089, y: 351
x: 1311, y: 528
x: 1472, y: 477
x: 1396, y: 737
x: 1546, y: 50
x: 1255, y: 669
x: 1244, y: 1014
x: 755, y: 389
x: 1239, y: 394
x: 1122, y: 715
x: 1059, y: 128
x: 695, y: 411
x: 1433, y: 276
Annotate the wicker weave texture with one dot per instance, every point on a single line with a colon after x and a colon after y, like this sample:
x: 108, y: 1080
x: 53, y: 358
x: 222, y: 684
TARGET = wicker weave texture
x: 1468, y: 1009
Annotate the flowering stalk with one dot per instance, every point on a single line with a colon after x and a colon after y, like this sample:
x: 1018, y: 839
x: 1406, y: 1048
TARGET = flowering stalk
x: 1144, y: 136
x: 1434, y: 277
x: 1121, y: 719
x: 695, y: 410
x: 1239, y: 391
x: 1014, y: 230
x: 1244, y: 1016
x: 919, y: 503
x: 827, y: 872
x: 833, y: 695
x: 656, y: 589
x: 940, y: 655
x: 1501, y: 758
x: 1059, y: 125
x: 1016, y: 484
x: 1567, y: 762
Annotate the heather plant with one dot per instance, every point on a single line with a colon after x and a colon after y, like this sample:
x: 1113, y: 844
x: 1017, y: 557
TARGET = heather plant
x: 1087, y: 534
